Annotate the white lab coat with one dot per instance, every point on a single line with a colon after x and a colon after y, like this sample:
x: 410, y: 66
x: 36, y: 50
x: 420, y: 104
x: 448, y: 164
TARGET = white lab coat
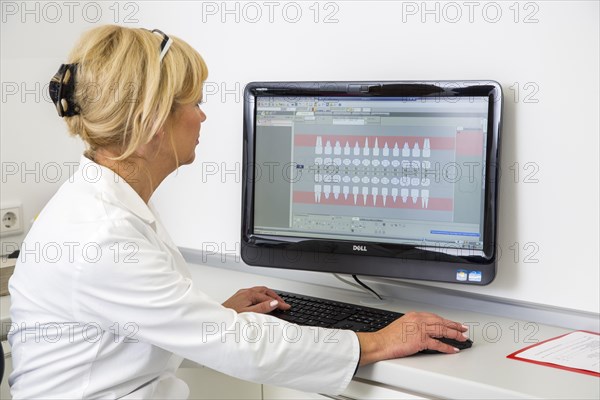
x: 103, y: 306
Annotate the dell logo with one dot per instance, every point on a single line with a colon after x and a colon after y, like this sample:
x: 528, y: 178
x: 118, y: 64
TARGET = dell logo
x: 359, y: 248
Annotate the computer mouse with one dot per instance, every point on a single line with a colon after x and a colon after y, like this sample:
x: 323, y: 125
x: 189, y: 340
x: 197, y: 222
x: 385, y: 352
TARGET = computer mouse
x: 452, y: 342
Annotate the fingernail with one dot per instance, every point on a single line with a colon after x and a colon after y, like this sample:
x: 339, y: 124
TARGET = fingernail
x: 456, y: 349
x: 465, y: 327
x: 465, y: 336
x: 273, y: 303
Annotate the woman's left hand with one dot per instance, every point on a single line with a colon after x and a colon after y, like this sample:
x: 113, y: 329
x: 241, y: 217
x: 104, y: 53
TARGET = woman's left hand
x: 258, y: 299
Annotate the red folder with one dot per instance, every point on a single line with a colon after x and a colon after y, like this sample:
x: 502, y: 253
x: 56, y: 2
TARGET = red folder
x: 515, y: 356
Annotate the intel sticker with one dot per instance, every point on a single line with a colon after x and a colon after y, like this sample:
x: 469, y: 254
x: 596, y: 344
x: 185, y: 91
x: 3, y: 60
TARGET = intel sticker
x: 474, y: 276
x: 461, y: 275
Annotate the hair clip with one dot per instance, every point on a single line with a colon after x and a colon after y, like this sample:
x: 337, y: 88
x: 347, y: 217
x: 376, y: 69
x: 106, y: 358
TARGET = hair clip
x: 165, y: 44
x: 62, y: 89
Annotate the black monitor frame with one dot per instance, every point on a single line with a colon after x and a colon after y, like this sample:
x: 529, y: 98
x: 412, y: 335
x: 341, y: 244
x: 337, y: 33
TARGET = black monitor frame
x: 379, y: 259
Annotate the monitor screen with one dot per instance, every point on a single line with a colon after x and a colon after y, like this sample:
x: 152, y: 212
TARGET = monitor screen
x: 394, y: 179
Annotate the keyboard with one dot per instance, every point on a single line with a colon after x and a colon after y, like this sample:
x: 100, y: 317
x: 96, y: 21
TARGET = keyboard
x: 319, y: 312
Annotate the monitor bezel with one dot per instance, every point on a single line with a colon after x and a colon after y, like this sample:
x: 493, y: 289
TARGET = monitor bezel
x: 383, y: 259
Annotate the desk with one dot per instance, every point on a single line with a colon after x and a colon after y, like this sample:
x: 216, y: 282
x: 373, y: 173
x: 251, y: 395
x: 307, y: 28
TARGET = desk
x: 480, y: 372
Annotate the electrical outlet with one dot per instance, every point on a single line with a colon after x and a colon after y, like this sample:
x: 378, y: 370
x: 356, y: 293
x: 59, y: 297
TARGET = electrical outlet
x: 11, y: 220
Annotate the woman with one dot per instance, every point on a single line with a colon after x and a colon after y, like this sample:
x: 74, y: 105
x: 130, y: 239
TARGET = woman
x: 102, y: 302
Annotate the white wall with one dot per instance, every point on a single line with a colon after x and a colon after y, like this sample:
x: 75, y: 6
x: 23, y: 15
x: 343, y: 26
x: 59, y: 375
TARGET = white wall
x: 552, y: 62
x: 36, y: 153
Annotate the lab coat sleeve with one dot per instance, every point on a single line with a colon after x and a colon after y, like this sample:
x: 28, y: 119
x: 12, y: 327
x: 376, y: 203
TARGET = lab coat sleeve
x: 135, y: 281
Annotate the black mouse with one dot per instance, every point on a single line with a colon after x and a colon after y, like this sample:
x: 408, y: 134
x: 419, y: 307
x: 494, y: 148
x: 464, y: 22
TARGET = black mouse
x: 452, y: 342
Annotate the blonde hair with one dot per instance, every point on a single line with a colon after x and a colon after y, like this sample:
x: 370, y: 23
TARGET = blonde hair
x: 124, y: 92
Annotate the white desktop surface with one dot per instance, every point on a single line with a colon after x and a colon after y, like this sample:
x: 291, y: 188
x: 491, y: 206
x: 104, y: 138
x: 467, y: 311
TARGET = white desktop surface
x: 482, y: 371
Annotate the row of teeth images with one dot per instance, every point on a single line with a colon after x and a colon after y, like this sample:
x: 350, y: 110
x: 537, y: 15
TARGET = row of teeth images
x: 366, y: 150
x: 411, y: 171
x: 328, y: 161
x: 404, y: 193
x: 402, y: 181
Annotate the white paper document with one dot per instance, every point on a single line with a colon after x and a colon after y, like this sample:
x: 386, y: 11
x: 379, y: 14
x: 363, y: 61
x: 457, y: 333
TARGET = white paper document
x: 578, y: 349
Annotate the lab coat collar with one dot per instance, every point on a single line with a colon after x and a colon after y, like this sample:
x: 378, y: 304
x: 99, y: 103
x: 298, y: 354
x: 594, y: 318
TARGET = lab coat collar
x: 115, y: 189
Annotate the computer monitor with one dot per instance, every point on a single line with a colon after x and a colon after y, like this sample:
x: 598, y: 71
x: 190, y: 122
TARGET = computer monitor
x: 390, y: 179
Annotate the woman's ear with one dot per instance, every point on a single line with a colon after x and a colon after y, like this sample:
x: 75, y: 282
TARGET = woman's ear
x: 158, y: 139
x: 160, y: 134
x: 152, y: 149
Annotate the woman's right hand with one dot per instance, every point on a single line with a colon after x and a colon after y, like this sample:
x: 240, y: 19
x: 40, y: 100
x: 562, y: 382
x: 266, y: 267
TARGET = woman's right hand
x: 413, y: 332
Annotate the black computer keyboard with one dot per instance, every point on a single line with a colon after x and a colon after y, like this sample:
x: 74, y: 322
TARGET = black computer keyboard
x: 314, y: 311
